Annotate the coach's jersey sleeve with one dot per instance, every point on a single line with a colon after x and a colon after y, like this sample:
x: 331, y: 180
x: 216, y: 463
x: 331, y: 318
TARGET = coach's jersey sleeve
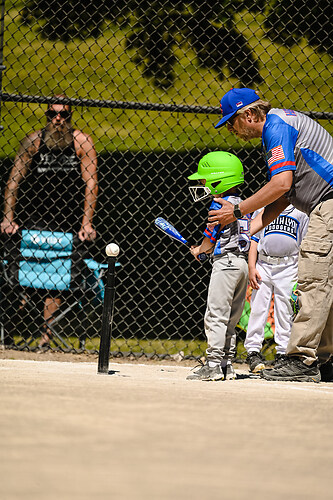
x: 279, y: 139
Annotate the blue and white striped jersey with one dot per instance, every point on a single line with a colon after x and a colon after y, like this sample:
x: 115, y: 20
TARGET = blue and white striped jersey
x: 234, y: 237
x: 293, y: 141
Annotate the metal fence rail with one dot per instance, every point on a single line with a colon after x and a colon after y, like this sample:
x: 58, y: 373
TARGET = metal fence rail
x: 144, y: 80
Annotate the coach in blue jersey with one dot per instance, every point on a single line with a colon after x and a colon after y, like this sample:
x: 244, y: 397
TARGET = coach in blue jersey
x: 299, y: 158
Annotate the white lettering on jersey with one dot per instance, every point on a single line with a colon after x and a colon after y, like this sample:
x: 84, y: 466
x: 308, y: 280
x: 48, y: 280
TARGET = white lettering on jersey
x: 283, y: 224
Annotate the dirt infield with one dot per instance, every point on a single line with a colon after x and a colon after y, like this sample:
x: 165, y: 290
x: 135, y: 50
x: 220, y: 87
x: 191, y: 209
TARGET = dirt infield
x: 144, y: 432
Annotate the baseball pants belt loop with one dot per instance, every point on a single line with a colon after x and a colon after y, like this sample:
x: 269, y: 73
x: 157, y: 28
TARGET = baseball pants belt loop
x: 229, y: 256
x: 234, y: 255
x: 275, y: 260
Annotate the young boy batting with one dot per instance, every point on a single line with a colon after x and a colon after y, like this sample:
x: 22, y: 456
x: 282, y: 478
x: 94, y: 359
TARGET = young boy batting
x: 220, y: 173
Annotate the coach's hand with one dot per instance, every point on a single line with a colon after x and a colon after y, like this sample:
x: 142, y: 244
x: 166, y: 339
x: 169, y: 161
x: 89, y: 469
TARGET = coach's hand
x: 223, y: 215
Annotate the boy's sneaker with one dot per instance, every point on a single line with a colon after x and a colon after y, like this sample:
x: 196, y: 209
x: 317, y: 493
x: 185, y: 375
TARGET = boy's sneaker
x: 228, y: 370
x: 294, y: 370
x: 206, y: 373
x: 255, y: 362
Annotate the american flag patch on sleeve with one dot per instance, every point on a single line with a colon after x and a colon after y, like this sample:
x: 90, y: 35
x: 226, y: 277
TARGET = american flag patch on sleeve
x: 275, y: 154
x: 289, y: 112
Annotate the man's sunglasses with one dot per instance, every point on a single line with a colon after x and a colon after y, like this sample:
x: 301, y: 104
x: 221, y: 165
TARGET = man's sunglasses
x: 231, y: 120
x: 51, y: 113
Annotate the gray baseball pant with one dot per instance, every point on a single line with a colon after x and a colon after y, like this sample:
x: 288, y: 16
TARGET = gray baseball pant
x: 225, y: 304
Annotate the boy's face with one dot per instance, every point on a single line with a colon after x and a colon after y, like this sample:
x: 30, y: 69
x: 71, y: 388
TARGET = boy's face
x: 196, y: 191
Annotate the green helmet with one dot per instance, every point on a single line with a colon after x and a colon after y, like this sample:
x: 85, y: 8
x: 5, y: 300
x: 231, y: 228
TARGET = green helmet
x: 220, y: 170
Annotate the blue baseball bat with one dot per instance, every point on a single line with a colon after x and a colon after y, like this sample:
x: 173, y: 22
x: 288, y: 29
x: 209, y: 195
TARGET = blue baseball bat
x: 171, y: 231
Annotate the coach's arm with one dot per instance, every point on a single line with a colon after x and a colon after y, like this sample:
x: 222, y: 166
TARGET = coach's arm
x: 269, y: 213
x: 273, y: 191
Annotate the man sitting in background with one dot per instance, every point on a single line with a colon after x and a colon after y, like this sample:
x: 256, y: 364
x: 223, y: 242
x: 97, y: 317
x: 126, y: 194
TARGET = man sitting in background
x: 57, y: 167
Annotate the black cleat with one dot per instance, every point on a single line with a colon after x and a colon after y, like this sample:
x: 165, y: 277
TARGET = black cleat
x: 293, y: 370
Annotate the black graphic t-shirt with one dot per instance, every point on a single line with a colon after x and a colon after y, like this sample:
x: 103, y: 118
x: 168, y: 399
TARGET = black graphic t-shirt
x: 52, y: 194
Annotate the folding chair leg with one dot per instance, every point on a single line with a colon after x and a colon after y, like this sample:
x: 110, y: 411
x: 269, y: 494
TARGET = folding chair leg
x: 58, y: 338
x: 2, y: 335
x: 60, y: 316
x: 82, y: 328
x: 22, y: 344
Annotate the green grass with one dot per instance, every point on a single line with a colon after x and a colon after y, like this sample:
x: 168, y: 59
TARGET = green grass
x: 159, y: 347
x: 101, y: 69
x: 134, y: 345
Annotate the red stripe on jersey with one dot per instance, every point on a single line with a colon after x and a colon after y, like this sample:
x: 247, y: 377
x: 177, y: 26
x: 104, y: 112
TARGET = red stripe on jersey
x: 209, y: 235
x: 283, y: 164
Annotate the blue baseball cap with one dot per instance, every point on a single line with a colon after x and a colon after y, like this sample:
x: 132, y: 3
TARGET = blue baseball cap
x: 234, y: 100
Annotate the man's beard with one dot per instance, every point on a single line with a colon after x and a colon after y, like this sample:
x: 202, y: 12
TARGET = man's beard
x: 58, y: 137
x: 247, y: 134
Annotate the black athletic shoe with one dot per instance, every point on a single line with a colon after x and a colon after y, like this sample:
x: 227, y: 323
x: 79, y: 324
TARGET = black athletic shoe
x: 280, y: 359
x: 255, y: 362
x: 326, y: 371
x: 293, y: 370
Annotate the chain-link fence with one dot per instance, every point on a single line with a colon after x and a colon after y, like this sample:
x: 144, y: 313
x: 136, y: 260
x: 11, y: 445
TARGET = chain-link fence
x: 143, y: 81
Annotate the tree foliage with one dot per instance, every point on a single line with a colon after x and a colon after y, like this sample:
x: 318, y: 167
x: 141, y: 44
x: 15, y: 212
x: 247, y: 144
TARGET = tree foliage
x: 154, y: 29
x: 288, y: 22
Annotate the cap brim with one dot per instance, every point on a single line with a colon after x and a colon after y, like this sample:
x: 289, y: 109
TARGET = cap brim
x: 195, y: 177
x: 224, y: 120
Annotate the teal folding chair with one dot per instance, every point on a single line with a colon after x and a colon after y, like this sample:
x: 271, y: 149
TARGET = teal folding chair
x: 36, y: 263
